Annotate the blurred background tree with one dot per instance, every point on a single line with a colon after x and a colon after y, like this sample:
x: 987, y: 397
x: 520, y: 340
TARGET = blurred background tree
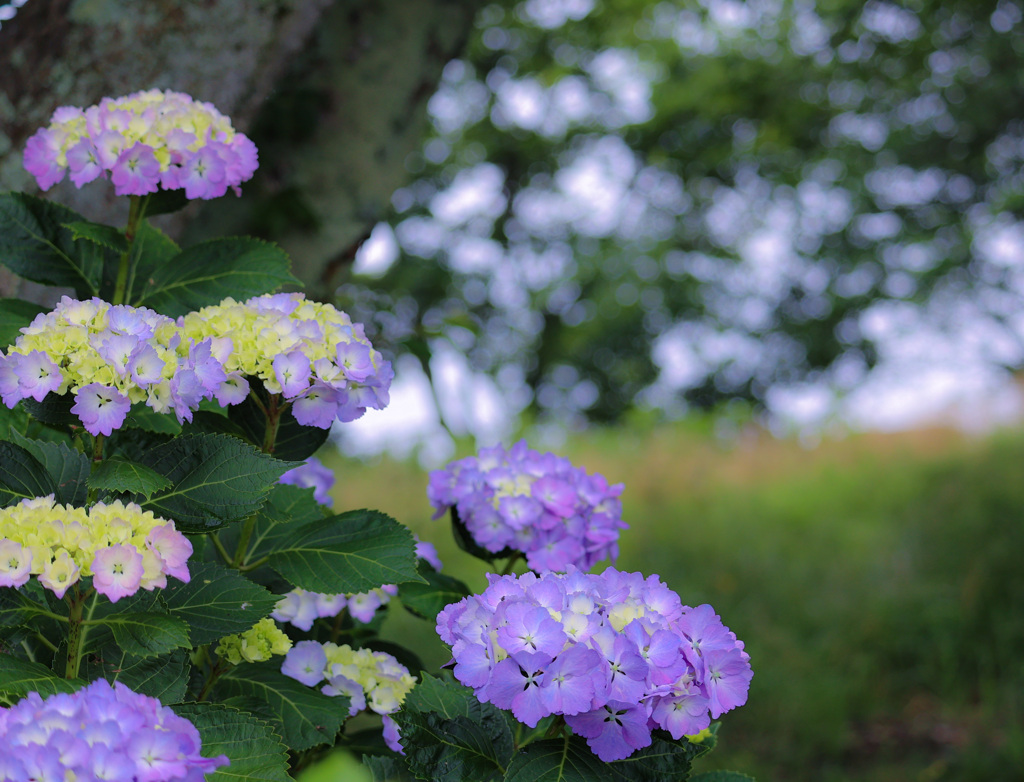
x: 682, y: 203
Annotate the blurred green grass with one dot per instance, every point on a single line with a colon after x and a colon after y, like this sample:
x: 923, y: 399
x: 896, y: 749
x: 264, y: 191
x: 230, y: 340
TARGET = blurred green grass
x: 877, y: 581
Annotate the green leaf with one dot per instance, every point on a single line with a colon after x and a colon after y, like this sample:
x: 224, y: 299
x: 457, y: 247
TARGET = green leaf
x: 428, y: 599
x: 293, y: 440
x: 352, y: 552
x: 15, y: 314
x: 385, y: 768
x: 119, y: 475
x: 214, y: 479
x: 147, y: 633
x: 476, y: 747
x: 287, y: 508
x: 151, y: 250
x: 35, y: 243
x: 165, y: 201
x: 164, y: 676
x: 54, y: 410
x: 567, y: 759
x: 252, y: 746
x: 16, y: 607
x: 103, y: 235
x: 206, y: 273
x: 141, y: 416
x: 442, y: 695
x: 722, y: 776
x: 22, y: 476
x: 217, y: 602
x: 20, y: 677
x: 306, y: 716
x: 69, y: 469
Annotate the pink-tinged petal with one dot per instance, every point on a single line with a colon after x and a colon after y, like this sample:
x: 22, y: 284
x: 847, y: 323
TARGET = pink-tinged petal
x: 117, y: 571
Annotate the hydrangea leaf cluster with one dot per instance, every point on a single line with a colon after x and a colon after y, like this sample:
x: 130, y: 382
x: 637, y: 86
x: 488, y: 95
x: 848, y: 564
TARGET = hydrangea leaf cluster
x: 616, y: 654
x: 119, y: 545
x: 310, y: 353
x: 538, y: 504
x: 144, y: 141
x: 300, y: 608
x: 110, y: 357
x: 259, y: 643
x: 100, y: 732
x: 373, y: 680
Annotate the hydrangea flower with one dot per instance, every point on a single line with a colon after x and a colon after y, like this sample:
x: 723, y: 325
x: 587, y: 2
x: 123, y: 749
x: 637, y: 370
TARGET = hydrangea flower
x: 119, y: 545
x: 144, y: 141
x: 314, y: 475
x: 616, y: 654
x: 259, y: 643
x: 110, y: 357
x: 538, y: 504
x: 373, y: 680
x: 309, y: 353
x: 100, y: 732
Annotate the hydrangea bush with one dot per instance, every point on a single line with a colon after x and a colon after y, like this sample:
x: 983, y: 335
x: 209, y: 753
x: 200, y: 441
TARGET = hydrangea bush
x: 178, y: 600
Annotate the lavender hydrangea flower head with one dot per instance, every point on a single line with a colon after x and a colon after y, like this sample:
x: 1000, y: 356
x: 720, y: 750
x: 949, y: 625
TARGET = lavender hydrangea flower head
x: 100, y: 732
x: 311, y: 354
x: 539, y: 504
x: 616, y: 654
x: 110, y: 357
x: 144, y: 141
x: 372, y: 680
x: 122, y: 547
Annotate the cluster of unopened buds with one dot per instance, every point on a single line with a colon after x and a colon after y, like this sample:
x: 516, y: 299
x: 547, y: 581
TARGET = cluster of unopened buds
x: 144, y: 141
x: 615, y: 654
x: 537, y: 504
x: 257, y: 644
x: 120, y: 546
x: 110, y: 357
x: 100, y: 732
x: 309, y: 353
x: 373, y: 680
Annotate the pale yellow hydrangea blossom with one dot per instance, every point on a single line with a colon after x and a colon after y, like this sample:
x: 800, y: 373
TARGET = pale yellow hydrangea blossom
x: 120, y: 545
x: 385, y: 682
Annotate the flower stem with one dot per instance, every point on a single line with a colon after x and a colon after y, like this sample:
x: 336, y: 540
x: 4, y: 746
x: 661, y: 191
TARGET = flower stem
x: 76, y: 631
x: 136, y: 211
x: 97, y: 448
x: 510, y: 564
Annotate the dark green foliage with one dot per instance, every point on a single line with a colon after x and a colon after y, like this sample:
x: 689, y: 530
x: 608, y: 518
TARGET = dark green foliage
x: 351, y: 552
x: 217, y: 602
x: 215, y: 479
x: 293, y: 441
x: 68, y: 469
x: 209, y: 272
x: 162, y: 676
x: 304, y: 716
x: 21, y: 475
x: 427, y: 599
x: 37, y: 244
x: 20, y: 677
x: 253, y: 746
x: 120, y: 475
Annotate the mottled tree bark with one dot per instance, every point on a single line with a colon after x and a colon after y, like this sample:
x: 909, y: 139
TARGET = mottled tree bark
x: 373, y: 64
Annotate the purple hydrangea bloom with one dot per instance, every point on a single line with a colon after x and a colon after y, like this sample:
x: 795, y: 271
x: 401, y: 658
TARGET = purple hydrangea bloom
x: 611, y: 653
x: 100, y: 732
x: 538, y: 504
x: 144, y: 141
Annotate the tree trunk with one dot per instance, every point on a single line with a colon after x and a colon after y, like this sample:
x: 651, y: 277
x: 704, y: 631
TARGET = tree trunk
x: 372, y: 65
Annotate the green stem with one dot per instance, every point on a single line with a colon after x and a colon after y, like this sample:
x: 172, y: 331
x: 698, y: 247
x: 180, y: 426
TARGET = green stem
x: 273, y: 421
x: 249, y: 525
x: 215, y: 673
x: 136, y: 211
x: 238, y: 561
x: 220, y: 548
x: 97, y: 447
x: 76, y: 631
x: 336, y: 627
x: 253, y: 565
x: 510, y: 564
